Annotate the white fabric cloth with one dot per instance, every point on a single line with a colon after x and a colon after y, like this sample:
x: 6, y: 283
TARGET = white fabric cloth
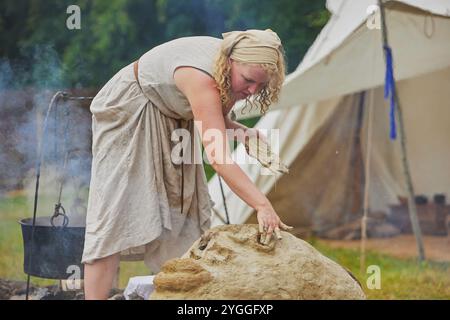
x: 141, y: 286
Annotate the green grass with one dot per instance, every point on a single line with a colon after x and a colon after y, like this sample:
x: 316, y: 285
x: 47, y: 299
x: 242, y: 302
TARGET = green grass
x: 400, y: 278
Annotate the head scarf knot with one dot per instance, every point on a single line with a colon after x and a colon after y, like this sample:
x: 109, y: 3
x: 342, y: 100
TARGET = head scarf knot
x: 252, y: 46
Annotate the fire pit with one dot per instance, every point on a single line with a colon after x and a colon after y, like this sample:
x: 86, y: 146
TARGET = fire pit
x: 53, y: 246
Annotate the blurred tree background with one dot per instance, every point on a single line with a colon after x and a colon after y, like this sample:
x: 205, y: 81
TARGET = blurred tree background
x: 38, y: 50
x: 39, y: 53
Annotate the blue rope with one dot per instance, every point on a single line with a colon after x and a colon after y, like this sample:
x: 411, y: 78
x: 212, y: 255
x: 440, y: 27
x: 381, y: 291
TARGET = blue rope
x: 389, y: 90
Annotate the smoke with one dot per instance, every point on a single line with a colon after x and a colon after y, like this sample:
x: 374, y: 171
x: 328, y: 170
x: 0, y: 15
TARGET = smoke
x: 25, y: 96
x: 47, y: 67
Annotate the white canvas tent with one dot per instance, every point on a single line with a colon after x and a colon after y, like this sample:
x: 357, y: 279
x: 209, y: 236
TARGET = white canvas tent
x: 323, y: 116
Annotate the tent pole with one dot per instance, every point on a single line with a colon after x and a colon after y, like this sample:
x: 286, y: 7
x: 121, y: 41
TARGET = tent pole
x: 362, y: 260
x: 224, y: 200
x: 411, y: 203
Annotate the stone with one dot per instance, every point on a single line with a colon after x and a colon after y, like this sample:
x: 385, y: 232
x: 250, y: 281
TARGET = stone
x: 228, y: 262
x: 118, y: 297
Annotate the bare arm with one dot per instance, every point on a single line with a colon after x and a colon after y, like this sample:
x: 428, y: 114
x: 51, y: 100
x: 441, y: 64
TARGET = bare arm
x: 200, y: 90
x: 204, y: 99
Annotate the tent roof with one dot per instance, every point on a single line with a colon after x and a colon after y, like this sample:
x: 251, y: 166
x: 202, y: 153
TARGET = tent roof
x: 348, y: 15
x: 347, y: 43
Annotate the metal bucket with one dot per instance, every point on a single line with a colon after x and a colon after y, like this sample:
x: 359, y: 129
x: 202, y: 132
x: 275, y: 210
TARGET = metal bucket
x: 57, y: 250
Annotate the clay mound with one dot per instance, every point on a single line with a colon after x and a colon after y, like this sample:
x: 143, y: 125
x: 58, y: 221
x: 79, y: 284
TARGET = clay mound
x: 228, y: 262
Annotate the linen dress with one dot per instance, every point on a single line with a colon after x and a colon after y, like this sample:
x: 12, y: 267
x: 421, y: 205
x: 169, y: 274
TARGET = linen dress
x: 134, y: 204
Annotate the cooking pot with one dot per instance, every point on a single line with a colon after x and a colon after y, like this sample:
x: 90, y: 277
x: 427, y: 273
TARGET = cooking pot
x: 57, y: 247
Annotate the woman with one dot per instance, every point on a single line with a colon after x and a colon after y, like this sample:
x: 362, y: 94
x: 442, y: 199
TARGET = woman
x: 142, y: 203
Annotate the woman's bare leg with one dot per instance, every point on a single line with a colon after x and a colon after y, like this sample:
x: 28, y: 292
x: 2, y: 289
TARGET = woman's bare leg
x: 99, y: 277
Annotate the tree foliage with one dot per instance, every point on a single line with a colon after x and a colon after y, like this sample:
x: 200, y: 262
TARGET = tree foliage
x: 39, y: 50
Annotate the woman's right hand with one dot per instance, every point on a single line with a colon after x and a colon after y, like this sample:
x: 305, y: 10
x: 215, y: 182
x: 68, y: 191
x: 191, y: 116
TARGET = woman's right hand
x: 269, y: 222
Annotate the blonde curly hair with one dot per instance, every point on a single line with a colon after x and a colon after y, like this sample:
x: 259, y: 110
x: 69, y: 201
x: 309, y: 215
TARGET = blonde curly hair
x: 265, y: 97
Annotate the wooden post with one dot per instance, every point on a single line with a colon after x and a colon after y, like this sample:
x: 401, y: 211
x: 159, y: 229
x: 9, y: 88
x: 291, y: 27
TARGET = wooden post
x: 409, y: 186
x: 367, y: 173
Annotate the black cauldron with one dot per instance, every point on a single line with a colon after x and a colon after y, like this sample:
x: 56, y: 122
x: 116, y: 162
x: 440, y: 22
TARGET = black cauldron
x: 57, y: 249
